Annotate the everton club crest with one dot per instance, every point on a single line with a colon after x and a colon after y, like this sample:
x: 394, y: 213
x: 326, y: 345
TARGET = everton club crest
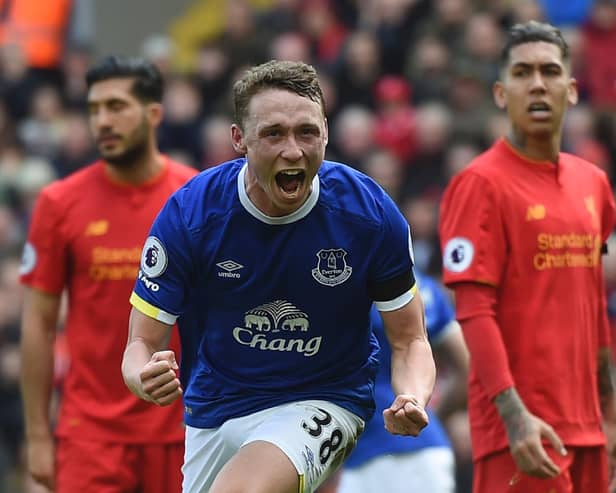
x: 331, y: 268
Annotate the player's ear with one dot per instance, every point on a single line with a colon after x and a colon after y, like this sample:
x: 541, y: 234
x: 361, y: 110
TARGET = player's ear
x: 154, y: 113
x: 326, y: 136
x: 572, y: 94
x: 498, y: 92
x: 237, y: 139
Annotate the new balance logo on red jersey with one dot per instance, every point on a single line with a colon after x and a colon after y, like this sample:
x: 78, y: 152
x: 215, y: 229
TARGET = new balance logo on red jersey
x: 97, y: 228
x: 535, y: 212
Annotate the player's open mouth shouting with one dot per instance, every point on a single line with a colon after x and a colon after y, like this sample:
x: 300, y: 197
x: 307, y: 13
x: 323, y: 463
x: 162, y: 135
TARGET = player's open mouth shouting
x: 290, y: 182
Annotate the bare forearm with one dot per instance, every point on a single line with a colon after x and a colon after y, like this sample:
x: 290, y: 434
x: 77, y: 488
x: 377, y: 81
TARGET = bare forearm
x: 513, y: 412
x: 146, y: 336
x: 605, y: 384
x: 413, y: 371
x: 136, y: 356
x: 37, y: 378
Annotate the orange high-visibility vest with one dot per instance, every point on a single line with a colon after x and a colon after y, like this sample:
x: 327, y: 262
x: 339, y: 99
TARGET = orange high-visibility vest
x: 38, y: 26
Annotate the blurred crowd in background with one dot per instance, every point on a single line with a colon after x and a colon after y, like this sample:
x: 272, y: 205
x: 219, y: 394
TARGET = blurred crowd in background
x: 408, y: 92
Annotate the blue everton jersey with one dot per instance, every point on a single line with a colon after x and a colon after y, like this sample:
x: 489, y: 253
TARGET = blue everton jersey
x: 275, y: 309
x: 375, y: 440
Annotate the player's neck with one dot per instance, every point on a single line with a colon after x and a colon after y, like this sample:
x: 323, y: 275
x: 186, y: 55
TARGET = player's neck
x: 142, y: 170
x: 536, y: 148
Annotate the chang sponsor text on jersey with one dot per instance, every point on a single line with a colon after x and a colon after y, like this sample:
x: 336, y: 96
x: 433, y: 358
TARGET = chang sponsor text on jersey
x: 277, y: 326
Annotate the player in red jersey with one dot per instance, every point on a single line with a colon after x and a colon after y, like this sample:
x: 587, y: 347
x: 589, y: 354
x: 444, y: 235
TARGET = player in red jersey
x: 522, y: 230
x: 86, y: 236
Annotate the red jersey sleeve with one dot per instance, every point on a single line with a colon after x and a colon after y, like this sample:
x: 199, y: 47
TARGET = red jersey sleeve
x: 475, y: 310
x: 472, y: 235
x: 607, y: 226
x: 608, y: 214
x: 45, y: 253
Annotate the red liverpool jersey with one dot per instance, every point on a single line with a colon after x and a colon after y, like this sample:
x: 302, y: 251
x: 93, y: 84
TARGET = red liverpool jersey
x: 534, y: 230
x: 86, y: 235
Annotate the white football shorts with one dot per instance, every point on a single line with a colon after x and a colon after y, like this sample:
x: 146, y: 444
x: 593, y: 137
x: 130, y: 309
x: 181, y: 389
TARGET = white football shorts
x: 315, y: 435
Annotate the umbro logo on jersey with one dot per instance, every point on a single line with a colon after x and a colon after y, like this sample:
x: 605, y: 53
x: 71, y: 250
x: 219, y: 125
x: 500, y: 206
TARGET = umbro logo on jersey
x: 535, y: 212
x: 228, y: 269
x: 97, y: 228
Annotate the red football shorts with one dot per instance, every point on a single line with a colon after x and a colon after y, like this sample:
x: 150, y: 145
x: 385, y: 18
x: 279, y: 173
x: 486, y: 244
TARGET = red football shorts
x: 84, y: 466
x: 583, y: 470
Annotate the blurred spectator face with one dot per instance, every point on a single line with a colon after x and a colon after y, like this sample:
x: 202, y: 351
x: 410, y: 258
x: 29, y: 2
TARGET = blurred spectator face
x: 433, y: 126
x: 76, y: 62
x: 216, y: 138
x: 212, y: 62
x: 467, y: 91
x: 182, y: 101
x: 386, y: 169
x: 363, y: 55
x: 432, y: 55
x: 290, y: 46
x: 13, y: 62
x: 76, y: 142
x: 46, y: 104
x: 483, y: 37
x: 452, y: 11
x: 240, y: 20
x: 122, y: 126
x: 526, y: 10
x: 316, y: 17
x: 534, y: 96
x: 354, y: 133
x: 158, y: 49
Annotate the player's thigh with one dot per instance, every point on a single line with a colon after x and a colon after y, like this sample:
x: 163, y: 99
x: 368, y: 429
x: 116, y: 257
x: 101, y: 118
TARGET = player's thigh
x: 258, y: 467
x: 430, y: 470
x: 307, y: 440
x: 589, y: 471
x: 84, y: 466
x: 207, y: 451
x: 498, y: 473
x: 160, y: 467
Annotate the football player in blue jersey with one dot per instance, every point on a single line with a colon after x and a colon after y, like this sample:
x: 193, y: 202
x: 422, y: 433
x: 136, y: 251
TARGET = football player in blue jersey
x: 395, y: 464
x: 270, y: 265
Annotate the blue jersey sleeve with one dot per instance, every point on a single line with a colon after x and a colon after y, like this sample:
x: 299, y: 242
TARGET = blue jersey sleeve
x: 393, y: 260
x: 166, y: 263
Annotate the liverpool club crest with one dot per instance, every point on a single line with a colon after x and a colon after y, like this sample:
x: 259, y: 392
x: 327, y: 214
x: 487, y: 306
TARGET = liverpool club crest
x: 331, y: 268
